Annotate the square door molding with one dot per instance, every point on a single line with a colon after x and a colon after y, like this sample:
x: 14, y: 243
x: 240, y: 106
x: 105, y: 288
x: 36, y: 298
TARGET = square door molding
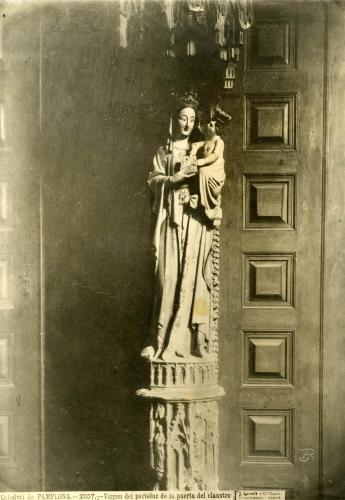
x: 270, y: 122
x: 267, y: 358
x: 268, y: 280
x: 7, y: 438
x: 6, y: 359
x: 269, y: 201
x: 266, y: 436
x: 6, y: 282
x: 271, y: 44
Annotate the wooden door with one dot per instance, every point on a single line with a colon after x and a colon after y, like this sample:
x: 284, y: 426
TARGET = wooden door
x: 271, y: 256
x: 19, y: 249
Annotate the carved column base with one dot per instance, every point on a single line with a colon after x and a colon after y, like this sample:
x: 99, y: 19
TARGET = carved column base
x: 184, y: 425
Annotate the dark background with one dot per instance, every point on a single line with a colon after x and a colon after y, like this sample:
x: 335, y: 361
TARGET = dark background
x: 97, y: 251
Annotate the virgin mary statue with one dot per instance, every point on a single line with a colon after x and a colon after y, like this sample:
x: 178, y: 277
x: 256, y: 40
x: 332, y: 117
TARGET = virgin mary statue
x: 182, y: 243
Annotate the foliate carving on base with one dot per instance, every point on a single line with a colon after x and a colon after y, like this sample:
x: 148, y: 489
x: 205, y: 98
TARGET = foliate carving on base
x: 184, y: 445
x: 158, y: 443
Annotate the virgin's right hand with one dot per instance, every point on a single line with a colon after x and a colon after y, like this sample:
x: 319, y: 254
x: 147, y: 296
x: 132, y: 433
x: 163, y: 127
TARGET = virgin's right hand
x: 179, y: 177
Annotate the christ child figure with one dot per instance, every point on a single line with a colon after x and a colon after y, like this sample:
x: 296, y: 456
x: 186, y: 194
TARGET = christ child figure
x: 207, y: 157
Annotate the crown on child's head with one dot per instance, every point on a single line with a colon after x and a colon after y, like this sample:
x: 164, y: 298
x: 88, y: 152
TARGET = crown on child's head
x: 185, y: 100
x: 219, y: 115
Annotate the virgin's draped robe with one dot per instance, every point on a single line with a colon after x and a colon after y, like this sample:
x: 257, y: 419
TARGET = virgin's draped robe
x: 182, y: 243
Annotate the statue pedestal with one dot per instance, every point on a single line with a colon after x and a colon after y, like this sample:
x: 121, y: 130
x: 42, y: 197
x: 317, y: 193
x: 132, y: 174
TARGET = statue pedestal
x: 184, y: 423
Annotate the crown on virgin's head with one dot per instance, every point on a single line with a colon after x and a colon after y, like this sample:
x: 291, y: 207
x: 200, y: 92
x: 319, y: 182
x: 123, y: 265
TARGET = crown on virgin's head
x: 189, y: 98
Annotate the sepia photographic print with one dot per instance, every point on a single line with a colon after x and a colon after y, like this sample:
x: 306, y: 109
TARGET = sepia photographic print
x: 172, y: 249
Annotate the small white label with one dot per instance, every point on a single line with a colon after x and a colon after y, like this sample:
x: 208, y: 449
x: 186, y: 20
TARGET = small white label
x: 260, y: 495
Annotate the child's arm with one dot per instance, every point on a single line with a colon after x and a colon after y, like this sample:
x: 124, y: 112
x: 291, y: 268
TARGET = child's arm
x: 195, y: 147
x: 217, y: 153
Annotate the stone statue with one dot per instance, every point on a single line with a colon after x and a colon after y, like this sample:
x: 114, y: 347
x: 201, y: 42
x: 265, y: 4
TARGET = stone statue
x: 186, y: 181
